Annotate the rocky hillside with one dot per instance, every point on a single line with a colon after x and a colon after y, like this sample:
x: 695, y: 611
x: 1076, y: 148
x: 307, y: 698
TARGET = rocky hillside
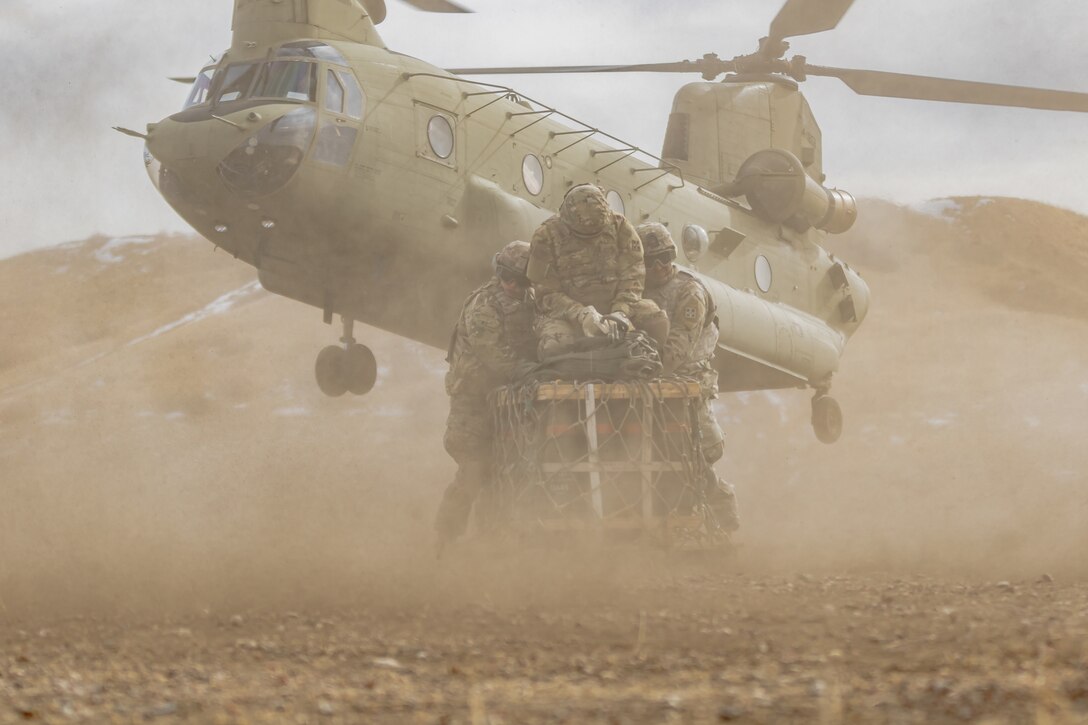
x: 161, y: 433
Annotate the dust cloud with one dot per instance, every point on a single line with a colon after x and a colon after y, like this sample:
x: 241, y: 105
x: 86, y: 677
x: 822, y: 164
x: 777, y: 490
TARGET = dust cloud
x: 164, y: 446
x: 189, y: 530
x: 71, y: 76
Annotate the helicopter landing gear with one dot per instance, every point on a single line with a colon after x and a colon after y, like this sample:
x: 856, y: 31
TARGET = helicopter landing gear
x: 826, y: 417
x: 351, y: 368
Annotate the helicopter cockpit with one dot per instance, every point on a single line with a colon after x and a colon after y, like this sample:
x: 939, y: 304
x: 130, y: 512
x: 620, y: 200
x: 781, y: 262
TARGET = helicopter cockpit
x: 289, y: 73
x: 301, y: 72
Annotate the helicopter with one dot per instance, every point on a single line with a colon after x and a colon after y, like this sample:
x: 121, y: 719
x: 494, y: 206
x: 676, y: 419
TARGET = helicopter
x: 376, y: 187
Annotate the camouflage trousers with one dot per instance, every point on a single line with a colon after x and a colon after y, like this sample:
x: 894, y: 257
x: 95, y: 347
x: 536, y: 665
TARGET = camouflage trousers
x: 468, y: 441
x: 722, y: 499
x: 711, y: 436
x: 468, y: 428
x: 557, y: 333
x: 721, y: 496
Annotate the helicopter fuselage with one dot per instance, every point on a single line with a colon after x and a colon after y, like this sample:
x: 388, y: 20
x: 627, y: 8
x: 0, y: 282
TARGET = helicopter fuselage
x: 389, y: 213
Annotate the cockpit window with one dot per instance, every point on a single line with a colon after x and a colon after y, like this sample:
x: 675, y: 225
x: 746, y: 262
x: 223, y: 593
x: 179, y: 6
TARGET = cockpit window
x: 334, y: 93
x: 199, y: 94
x: 311, y: 49
x: 290, y: 79
x: 343, y: 94
x: 236, y: 81
x: 354, y: 100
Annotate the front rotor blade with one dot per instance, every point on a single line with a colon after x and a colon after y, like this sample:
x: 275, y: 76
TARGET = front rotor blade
x: 804, y: 17
x: 684, y: 66
x: 438, y: 6
x: 926, y: 88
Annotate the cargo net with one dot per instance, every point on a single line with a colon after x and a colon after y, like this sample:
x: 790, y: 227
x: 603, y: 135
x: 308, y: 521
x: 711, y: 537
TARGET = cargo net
x: 620, y: 458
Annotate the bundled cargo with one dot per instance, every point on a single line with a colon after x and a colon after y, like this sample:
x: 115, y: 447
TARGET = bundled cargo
x: 620, y: 459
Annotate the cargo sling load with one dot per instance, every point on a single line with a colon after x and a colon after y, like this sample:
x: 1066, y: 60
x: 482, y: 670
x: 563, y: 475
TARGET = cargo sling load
x: 618, y: 459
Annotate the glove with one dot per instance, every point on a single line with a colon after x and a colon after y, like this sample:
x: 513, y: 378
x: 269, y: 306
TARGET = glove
x: 593, y: 324
x: 621, y: 325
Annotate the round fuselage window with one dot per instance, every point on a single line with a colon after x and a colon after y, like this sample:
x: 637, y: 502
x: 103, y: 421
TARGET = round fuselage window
x: 440, y: 136
x: 616, y: 202
x: 532, y: 173
x: 764, y: 273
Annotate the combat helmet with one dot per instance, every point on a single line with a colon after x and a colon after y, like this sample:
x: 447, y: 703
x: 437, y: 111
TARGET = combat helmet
x: 585, y: 210
x: 656, y: 240
x: 512, y: 260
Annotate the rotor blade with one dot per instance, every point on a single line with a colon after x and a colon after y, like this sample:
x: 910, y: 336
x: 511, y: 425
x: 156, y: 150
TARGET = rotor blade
x: 926, y: 88
x: 187, y: 80
x: 685, y: 66
x: 438, y: 6
x: 804, y: 17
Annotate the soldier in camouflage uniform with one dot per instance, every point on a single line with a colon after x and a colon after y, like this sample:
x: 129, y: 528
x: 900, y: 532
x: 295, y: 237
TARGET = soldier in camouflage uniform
x: 586, y: 264
x: 493, y: 344
x: 693, y: 336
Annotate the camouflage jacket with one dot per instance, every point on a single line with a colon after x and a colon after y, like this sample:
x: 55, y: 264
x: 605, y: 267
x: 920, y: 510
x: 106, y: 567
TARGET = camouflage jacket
x: 493, y: 336
x: 570, y: 272
x: 693, y: 327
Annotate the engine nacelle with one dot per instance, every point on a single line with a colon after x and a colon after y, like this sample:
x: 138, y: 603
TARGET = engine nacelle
x: 777, y: 188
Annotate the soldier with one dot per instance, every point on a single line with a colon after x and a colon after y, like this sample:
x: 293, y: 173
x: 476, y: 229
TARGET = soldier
x: 586, y: 264
x: 693, y: 336
x: 493, y: 344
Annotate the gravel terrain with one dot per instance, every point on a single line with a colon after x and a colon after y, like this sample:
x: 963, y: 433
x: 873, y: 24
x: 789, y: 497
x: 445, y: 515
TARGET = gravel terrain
x: 672, y: 644
x: 190, y: 531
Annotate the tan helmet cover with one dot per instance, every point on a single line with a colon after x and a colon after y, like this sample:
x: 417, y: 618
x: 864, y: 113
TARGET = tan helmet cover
x: 585, y: 210
x: 514, y: 257
x: 655, y: 239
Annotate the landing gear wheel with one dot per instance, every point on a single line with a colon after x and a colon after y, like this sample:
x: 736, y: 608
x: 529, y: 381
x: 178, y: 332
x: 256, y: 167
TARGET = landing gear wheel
x: 361, y: 368
x: 826, y: 419
x: 331, y: 371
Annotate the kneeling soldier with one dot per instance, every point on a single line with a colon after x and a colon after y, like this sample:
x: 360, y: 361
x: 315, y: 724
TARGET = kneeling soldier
x: 492, y: 345
x: 586, y: 264
x: 693, y: 337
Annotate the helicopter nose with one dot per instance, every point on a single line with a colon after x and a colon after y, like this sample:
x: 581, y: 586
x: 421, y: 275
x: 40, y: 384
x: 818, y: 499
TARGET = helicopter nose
x: 265, y: 161
x: 196, y: 159
x: 174, y: 156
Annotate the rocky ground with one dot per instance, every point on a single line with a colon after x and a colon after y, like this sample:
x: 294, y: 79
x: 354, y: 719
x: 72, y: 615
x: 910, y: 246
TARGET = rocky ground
x: 190, y: 531
x: 690, y: 646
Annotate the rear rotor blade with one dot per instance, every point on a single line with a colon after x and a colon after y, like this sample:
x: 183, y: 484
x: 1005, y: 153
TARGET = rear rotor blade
x: 926, y: 88
x: 804, y: 17
x: 438, y: 6
x: 715, y: 66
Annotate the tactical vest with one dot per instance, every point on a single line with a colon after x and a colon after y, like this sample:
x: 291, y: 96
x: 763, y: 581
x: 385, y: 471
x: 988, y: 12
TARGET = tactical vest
x: 587, y: 268
x: 467, y: 373
x: 517, y: 323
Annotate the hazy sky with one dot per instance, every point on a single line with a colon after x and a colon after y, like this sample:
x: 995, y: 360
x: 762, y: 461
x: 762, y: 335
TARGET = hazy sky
x: 76, y: 67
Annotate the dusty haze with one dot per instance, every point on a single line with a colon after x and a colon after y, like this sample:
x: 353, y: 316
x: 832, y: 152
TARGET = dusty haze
x: 163, y: 440
x: 231, y: 543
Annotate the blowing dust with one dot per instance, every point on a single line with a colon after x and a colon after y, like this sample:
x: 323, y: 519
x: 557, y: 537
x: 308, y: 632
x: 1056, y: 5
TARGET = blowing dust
x: 163, y: 445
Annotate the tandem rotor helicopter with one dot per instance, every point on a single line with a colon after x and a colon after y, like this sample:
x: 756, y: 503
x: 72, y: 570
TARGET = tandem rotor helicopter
x: 376, y: 187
